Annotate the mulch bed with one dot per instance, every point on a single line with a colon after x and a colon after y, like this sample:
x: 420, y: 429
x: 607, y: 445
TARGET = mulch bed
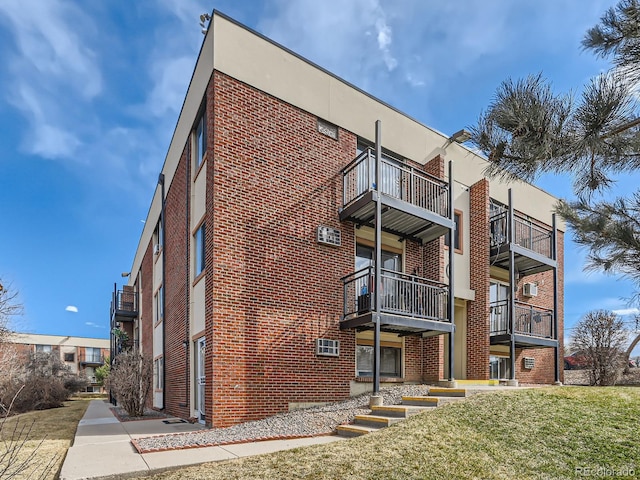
x: 149, y: 414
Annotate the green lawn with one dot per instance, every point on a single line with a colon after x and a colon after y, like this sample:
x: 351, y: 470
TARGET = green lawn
x: 544, y: 433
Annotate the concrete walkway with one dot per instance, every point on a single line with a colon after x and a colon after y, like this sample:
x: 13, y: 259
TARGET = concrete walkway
x: 102, y: 446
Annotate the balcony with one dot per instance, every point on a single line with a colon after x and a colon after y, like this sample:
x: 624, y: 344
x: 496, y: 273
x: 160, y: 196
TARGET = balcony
x: 415, y: 205
x: 88, y: 360
x: 532, y: 326
x: 124, y: 305
x: 409, y: 304
x: 532, y: 244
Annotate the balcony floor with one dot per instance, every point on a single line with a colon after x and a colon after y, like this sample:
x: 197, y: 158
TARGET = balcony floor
x: 399, y: 324
x: 398, y: 217
x: 527, y: 261
x: 124, y: 316
x: 523, y: 341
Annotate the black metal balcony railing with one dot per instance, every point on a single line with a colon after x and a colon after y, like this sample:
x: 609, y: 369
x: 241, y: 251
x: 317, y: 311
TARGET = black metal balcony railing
x: 526, y: 234
x: 400, y: 294
x: 529, y: 320
x: 91, y: 359
x: 397, y: 180
x: 124, y: 303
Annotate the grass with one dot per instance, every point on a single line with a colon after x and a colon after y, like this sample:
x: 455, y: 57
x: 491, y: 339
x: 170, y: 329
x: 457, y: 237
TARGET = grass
x: 545, y: 433
x: 49, y: 433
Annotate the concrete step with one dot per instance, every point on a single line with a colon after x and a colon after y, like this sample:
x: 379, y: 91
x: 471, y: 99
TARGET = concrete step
x: 402, y: 411
x: 376, y: 420
x: 421, y: 401
x: 355, y: 430
x: 447, y: 392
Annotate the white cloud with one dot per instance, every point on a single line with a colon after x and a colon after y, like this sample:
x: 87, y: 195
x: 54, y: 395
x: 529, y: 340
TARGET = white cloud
x: 94, y: 325
x: 72, y: 308
x: 626, y: 311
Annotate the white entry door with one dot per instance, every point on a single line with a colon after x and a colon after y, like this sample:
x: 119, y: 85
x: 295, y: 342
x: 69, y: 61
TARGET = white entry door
x: 200, y: 379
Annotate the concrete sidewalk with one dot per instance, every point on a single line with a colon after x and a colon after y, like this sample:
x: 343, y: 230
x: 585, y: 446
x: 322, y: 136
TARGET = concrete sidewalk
x: 102, y: 446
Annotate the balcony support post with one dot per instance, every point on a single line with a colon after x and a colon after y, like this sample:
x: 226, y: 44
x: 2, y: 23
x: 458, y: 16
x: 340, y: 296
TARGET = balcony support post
x: 378, y: 262
x: 554, y: 328
x: 512, y: 292
x: 112, y: 346
x: 451, y: 300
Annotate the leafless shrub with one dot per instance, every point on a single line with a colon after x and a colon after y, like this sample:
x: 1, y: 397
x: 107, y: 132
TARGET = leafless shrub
x: 14, y: 460
x: 45, y: 383
x: 130, y: 381
x: 600, y: 336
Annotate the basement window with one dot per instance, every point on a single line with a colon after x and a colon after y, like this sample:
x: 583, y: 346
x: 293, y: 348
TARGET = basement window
x: 327, y: 348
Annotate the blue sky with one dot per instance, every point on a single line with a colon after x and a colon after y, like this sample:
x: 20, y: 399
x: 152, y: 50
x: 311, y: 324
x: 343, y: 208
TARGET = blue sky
x: 91, y: 92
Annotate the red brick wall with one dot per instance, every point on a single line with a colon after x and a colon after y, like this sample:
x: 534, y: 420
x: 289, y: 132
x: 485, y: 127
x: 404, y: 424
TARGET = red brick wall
x: 274, y: 290
x: 176, y: 258
x: 146, y: 307
x: 478, y: 310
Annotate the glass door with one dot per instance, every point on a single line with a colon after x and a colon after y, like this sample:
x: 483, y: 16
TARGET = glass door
x: 200, y: 379
x: 499, y: 305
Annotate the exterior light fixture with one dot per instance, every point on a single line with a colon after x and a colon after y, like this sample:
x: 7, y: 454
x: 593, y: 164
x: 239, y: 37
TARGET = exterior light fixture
x: 125, y: 274
x: 460, y: 136
x: 205, y: 17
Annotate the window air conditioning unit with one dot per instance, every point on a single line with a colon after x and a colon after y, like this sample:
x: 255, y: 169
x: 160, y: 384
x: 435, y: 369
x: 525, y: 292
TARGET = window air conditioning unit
x: 329, y: 236
x: 156, y: 249
x: 530, y: 289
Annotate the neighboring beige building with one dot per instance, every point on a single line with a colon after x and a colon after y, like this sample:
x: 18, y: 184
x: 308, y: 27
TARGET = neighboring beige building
x: 81, y: 355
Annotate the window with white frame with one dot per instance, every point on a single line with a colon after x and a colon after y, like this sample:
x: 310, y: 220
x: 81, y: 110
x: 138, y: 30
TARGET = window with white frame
x: 159, y: 304
x: 158, y: 373
x: 200, y: 140
x: 158, y: 237
x: 93, y: 355
x: 43, y: 348
x: 199, y: 245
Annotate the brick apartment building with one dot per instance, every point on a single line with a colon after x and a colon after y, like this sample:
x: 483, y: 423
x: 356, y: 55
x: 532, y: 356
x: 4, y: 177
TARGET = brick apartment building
x: 255, y: 286
x: 82, y: 355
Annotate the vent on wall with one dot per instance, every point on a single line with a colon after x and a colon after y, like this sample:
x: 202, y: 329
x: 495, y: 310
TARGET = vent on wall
x: 530, y: 290
x: 327, y: 347
x: 529, y: 363
x: 329, y: 236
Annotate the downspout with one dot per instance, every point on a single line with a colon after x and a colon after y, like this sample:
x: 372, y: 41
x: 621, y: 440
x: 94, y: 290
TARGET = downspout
x: 112, y: 349
x: 164, y: 290
x: 188, y: 271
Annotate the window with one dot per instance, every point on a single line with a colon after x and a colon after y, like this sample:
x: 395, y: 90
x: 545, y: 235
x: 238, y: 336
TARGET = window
x: 499, y: 367
x: 201, y: 141
x: 327, y: 347
x: 158, y: 237
x: 390, y: 286
x: 457, y: 233
x: 499, y: 307
x: 390, y: 361
x: 93, y: 355
x: 199, y: 243
x: 43, y: 348
x: 69, y: 357
x: 158, y: 372
x: 159, y: 303
x: 391, y: 173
